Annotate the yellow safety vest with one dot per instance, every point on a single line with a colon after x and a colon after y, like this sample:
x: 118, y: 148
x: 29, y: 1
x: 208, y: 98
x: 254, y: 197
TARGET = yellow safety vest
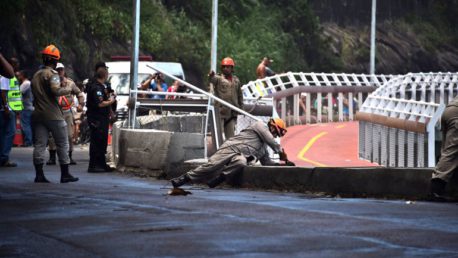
x: 15, y: 96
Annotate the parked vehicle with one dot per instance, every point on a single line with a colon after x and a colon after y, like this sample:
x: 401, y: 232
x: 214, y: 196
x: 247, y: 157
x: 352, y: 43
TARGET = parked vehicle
x: 120, y: 78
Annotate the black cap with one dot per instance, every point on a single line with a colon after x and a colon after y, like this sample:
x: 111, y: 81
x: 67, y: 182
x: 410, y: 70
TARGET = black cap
x: 100, y: 64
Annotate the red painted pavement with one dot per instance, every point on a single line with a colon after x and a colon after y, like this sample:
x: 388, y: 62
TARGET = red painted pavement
x: 324, y: 145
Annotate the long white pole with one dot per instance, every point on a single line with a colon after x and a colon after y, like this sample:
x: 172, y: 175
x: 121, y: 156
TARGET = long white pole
x: 134, y: 61
x: 214, y: 42
x: 373, y: 28
x: 225, y: 103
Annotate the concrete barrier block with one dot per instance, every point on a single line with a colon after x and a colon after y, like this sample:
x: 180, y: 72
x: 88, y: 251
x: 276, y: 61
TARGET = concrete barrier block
x: 144, y: 148
x: 185, y: 146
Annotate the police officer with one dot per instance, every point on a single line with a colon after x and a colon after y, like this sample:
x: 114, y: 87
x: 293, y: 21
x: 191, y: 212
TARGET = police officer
x: 99, y: 103
x: 47, y: 116
x: 227, y: 87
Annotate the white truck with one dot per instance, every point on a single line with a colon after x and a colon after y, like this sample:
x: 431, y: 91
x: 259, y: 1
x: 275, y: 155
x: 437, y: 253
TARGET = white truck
x: 119, y: 78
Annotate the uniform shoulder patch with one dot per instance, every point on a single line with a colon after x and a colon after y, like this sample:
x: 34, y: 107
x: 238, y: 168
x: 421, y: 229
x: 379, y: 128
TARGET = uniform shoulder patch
x: 55, y: 79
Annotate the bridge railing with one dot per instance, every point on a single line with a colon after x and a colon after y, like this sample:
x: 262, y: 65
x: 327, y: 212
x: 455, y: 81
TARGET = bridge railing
x: 315, y: 97
x: 399, y: 121
x: 396, y: 132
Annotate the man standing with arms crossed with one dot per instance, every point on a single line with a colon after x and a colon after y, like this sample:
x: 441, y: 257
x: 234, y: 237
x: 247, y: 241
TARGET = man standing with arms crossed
x: 47, y: 116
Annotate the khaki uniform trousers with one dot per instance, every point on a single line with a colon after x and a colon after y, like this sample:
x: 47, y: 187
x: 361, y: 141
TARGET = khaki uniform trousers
x: 448, y: 161
x: 225, y: 161
x: 68, y: 117
x: 228, y: 125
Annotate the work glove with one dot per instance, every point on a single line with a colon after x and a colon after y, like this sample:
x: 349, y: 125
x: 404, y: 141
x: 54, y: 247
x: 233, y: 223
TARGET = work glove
x: 283, y: 155
x: 289, y: 163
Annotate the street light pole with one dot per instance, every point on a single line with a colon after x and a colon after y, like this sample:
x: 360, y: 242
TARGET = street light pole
x: 373, y: 27
x: 134, y: 61
x: 214, y: 35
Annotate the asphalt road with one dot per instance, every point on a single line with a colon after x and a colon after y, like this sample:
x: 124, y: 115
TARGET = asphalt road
x: 115, y: 215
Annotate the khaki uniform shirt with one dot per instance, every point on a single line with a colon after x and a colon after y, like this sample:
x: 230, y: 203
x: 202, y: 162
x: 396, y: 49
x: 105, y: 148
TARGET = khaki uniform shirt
x: 252, y: 141
x: 45, y: 88
x: 230, y: 91
x: 67, y: 82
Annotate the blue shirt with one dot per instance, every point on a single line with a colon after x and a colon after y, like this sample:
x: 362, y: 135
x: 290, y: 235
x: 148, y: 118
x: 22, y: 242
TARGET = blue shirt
x: 164, y: 87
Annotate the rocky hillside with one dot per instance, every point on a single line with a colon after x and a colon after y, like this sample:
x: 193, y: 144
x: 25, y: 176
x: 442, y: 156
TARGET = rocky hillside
x: 300, y: 35
x: 412, y: 36
x: 399, y: 49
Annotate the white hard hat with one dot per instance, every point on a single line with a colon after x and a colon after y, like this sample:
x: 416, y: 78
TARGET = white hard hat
x: 60, y: 65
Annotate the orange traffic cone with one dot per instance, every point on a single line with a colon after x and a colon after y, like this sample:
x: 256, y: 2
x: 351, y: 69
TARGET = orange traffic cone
x: 18, y: 137
x: 109, y: 134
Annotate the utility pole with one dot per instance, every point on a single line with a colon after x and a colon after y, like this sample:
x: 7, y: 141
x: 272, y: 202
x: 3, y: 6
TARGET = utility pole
x: 134, y: 62
x: 214, y: 42
x: 373, y: 27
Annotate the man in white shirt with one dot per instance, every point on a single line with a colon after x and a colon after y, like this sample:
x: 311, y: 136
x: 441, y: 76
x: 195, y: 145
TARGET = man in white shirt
x: 27, y: 101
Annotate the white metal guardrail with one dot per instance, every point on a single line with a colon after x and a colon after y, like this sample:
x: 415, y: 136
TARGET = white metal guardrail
x: 340, y: 103
x: 399, y: 121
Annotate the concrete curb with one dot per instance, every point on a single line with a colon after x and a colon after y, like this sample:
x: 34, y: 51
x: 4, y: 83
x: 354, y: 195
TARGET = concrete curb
x: 412, y: 183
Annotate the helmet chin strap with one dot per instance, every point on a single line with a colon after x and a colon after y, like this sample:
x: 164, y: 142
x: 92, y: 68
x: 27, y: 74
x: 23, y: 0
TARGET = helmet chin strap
x: 277, y: 130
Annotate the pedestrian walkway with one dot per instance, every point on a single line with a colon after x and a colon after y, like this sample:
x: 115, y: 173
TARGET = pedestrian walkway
x: 324, y: 145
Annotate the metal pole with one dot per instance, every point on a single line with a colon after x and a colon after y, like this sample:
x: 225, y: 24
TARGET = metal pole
x: 134, y: 61
x: 225, y: 103
x: 214, y: 43
x: 372, y: 64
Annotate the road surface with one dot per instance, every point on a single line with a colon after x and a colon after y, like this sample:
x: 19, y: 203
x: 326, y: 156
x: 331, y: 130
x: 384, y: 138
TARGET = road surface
x: 115, y: 215
x: 324, y: 145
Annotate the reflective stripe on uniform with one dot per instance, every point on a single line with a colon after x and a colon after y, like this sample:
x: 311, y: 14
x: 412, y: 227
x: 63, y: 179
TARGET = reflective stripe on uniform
x: 14, y: 95
x: 64, y: 103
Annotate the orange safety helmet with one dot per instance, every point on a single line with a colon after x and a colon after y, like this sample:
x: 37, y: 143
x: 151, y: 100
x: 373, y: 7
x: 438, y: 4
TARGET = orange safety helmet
x: 227, y: 61
x: 51, y: 51
x: 279, y: 125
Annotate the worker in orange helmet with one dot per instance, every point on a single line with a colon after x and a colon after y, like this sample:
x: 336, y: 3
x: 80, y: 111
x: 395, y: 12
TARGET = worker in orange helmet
x: 227, y: 87
x: 248, y: 146
x: 47, y: 116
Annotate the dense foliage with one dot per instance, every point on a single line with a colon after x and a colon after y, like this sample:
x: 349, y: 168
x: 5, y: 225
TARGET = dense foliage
x: 174, y: 30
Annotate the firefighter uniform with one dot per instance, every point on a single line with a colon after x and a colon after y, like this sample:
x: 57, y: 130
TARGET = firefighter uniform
x: 448, y: 161
x: 47, y: 116
x: 228, y: 88
x: 249, y: 144
x: 66, y: 104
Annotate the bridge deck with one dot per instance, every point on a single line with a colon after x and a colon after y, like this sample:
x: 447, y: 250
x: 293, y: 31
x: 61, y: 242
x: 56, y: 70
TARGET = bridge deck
x: 324, y: 145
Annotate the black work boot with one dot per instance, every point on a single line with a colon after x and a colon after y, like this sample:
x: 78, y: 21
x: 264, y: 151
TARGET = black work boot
x: 40, y: 175
x: 65, y: 176
x: 52, y: 158
x: 437, y: 188
x: 216, y: 181
x: 181, y: 180
x: 72, y: 162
